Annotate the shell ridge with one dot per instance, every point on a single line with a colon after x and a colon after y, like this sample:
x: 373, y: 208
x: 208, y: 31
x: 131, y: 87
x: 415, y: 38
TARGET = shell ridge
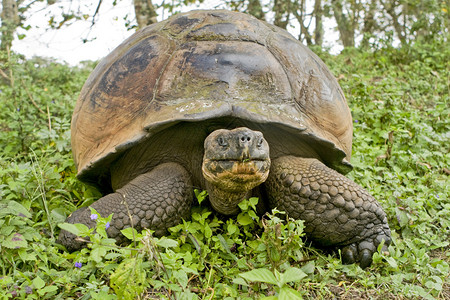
x: 268, y: 38
x: 187, y: 29
x: 161, y: 73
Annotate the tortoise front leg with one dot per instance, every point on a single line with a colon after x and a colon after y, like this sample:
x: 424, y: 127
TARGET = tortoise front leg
x: 155, y: 200
x: 336, y: 211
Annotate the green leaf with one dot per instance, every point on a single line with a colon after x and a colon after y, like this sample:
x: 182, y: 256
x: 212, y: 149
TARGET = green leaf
x: 7, y: 230
x: 102, y: 295
x: 98, y: 252
x: 131, y: 233
x: 292, y: 274
x: 208, y: 231
x: 15, y: 241
x: 77, y: 229
x: 243, y: 205
x: 223, y: 243
x: 201, y: 196
x: 195, y: 243
x: 434, y: 283
x: 18, y: 209
x: 252, y: 214
x: 181, y: 277
x: 287, y: 293
x: 166, y: 242
x: 260, y: 275
x: 226, y: 247
x: 197, y: 217
x: 57, y: 215
x: 47, y: 289
x: 309, y: 267
x: 25, y: 255
x: 244, y: 219
x: 240, y: 281
x: 108, y: 242
x: 232, y: 228
x: 206, y: 214
x: 253, y: 202
x: 38, y: 283
x: 392, y: 262
x: 112, y: 255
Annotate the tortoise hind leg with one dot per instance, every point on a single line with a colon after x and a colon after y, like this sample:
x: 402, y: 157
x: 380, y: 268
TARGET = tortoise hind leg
x: 156, y: 200
x: 336, y: 211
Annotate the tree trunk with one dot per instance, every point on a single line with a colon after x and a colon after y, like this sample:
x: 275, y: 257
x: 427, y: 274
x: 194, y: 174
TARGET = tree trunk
x: 10, y: 21
x: 298, y: 12
x: 390, y: 9
x: 346, y: 31
x: 281, y: 10
x: 145, y: 12
x: 318, y: 31
x: 255, y: 9
x: 370, y: 25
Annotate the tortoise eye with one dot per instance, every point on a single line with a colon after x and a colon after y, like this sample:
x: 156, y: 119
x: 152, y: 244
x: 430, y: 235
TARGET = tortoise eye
x: 221, y: 141
x: 260, y: 142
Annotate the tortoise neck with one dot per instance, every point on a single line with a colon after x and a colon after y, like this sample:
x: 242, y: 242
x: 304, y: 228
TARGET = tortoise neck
x: 226, y: 202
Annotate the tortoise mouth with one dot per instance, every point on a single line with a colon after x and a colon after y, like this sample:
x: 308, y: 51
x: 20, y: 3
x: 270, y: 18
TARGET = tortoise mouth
x: 236, y: 175
x: 247, y: 167
x: 233, y: 166
x: 238, y: 164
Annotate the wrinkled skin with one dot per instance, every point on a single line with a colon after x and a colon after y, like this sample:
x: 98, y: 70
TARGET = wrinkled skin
x: 337, y: 212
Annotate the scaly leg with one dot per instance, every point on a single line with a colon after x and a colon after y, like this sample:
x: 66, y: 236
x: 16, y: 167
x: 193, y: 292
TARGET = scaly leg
x: 156, y: 200
x: 336, y: 211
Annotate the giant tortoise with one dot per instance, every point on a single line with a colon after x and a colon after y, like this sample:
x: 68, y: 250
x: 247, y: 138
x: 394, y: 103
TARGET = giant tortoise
x: 220, y: 101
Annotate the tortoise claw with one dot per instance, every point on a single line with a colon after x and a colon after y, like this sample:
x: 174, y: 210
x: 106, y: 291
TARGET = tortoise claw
x: 349, y: 254
x: 362, y: 252
x: 365, y: 258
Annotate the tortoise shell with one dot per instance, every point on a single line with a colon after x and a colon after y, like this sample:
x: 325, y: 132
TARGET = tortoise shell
x: 202, y: 66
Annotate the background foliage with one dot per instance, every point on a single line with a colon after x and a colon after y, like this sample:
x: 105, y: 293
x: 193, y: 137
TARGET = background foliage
x: 400, y: 104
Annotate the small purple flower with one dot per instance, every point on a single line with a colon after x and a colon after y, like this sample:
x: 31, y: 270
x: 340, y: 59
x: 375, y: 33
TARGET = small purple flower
x: 78, y: 265
x: 28, y: 290
x: 107, y: 225
x: 94, y: 217
x: 356, y: 121
x: 18, y: 109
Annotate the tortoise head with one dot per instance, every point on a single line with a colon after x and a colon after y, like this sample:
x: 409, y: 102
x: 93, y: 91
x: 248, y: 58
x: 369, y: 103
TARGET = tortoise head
x: 235, y: 161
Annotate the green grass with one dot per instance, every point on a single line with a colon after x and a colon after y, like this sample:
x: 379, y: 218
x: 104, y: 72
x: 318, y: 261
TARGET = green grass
x: 400, y: 104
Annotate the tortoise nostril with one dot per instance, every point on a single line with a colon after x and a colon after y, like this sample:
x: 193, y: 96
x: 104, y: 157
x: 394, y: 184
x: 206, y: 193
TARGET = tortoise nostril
x: 245, y: 138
